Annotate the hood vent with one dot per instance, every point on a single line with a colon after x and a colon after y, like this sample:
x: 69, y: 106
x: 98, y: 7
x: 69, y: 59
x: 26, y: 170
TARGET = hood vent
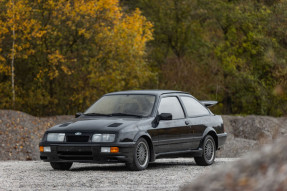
x: 64, y: 124
x: 114, y: 124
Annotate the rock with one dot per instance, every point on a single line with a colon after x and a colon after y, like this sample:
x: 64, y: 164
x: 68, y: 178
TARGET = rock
x: 250, y: 133
x: 264, y: 170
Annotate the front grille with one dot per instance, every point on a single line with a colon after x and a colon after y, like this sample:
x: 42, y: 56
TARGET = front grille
x: 77, y: 139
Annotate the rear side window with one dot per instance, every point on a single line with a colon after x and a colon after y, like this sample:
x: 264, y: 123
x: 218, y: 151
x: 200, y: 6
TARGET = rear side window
x: 171, y: 105
x: 193, y: 107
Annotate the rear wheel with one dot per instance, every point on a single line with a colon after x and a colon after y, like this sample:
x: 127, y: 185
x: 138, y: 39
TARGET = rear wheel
x: 141, y: 156
x: 209, y: 150
x: 61, y: 165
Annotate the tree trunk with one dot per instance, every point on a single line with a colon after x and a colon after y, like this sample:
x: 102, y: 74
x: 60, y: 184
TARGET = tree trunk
x: 12, y: 59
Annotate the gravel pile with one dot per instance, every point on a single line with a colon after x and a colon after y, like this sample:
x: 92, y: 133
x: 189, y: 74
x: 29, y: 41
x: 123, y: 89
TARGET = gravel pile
x: 265, y: 170
x: 20, y: 133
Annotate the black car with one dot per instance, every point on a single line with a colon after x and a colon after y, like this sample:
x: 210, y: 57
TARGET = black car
x: 136, y: 127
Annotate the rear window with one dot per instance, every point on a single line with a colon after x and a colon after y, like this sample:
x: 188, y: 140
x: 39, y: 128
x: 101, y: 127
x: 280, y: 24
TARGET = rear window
x: 193, y: 107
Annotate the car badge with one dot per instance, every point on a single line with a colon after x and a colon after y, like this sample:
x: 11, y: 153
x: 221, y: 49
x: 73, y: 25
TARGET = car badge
x: 78, y: 133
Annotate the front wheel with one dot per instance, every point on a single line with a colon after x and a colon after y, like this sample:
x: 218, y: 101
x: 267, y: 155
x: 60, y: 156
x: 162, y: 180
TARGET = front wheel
x: 61, y: 165
x: 209, y: 150
x: 141, y: 156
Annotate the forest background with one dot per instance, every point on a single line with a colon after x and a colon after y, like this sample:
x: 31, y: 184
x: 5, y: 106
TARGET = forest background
x: 59, y: 56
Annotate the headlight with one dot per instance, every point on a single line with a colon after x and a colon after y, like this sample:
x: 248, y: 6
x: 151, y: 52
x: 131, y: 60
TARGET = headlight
x: 55, y: 137
x: 97, y: 138
x: 103, y: 138
x: 108, y: 137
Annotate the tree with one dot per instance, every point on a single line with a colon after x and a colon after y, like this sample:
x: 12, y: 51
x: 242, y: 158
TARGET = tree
x: 68, y: 53
x: 232, y: 51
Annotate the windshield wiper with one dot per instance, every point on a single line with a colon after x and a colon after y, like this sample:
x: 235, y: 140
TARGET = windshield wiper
x: 95, y: 114
x: 125, y: 114
x: 112, y: 114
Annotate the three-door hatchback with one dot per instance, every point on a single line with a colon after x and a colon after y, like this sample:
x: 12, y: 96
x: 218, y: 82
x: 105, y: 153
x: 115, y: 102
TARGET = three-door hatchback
x: 135, y: 128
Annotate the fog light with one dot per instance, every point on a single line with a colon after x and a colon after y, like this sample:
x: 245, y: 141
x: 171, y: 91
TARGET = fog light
x: 41, y: 148
x: 105, y: 149
x: 114, y: 149
x: 47, y: 149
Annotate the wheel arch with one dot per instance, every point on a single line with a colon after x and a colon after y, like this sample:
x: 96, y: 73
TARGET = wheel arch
x: 210, y: 131
x: 149, y: 141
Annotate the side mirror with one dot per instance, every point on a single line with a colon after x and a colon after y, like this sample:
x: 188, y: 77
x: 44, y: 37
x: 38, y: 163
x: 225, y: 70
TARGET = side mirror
x: 165, y: 116
x: 78, y: 115
x: 162, y: 116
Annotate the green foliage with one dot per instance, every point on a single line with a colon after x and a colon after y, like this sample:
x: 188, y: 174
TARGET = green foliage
x: 232, y: 51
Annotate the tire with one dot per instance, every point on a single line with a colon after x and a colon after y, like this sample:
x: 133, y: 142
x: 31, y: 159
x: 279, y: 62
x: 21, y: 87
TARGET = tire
x: 61, y: 165
x: 141, y: 156
x: 209, y: 151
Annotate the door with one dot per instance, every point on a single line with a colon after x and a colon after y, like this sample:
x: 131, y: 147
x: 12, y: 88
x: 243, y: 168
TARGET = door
x: 172, y: 134
x: 198, y: 117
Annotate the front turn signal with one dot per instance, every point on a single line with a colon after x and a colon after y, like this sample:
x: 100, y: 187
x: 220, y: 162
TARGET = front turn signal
x: 115, y: 149
x: 41, y: 149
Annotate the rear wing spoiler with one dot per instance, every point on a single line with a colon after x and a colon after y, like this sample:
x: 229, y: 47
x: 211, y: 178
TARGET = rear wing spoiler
x: 209, y: 103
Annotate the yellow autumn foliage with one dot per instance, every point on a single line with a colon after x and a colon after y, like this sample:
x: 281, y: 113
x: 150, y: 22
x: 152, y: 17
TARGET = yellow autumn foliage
x: 70, y: 52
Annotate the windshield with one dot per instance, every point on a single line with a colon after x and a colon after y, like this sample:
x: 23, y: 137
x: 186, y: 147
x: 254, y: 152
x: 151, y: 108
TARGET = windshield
x: 133, y: 105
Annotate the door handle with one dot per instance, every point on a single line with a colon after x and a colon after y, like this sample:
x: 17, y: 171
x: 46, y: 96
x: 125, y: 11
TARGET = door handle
x: 187, y: 122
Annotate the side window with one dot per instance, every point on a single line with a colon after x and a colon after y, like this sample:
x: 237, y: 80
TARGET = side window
x: 171, y: 105
x: 193, y: 107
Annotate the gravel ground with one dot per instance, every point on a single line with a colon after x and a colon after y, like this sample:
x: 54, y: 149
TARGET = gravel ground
x: 164, y: 174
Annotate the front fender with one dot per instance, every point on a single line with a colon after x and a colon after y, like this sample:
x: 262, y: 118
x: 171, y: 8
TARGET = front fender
x: 141, y: 134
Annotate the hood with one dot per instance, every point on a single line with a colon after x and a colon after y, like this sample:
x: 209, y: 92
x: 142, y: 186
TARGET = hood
x: 98, y: 124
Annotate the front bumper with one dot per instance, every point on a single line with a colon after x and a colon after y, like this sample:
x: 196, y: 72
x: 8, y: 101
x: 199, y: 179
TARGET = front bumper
x: 87, y: 153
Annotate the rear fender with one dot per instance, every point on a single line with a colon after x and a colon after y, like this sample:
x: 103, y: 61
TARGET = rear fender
x: 209, y: 131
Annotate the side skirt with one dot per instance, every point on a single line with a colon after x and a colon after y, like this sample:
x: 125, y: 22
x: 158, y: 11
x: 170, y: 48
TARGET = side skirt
x: 177, y: 154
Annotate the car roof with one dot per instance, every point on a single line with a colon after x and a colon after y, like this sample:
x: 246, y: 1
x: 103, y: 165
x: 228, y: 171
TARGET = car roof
x: 150, y: 92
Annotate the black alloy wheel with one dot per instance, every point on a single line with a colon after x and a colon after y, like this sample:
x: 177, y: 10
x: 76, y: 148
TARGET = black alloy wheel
x: 209, y: 151
x: 141, y: 156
